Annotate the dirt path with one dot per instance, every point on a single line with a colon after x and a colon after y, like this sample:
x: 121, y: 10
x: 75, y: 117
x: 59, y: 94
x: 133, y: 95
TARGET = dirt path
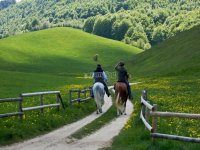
x: 58, y: 139
x: 103, y: 137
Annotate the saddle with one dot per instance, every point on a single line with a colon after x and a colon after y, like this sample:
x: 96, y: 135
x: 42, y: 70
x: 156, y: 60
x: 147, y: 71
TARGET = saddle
x: 118, y: 82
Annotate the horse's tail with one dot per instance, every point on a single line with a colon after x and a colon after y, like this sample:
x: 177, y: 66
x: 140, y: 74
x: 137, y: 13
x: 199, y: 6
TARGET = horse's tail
x: 117, y: 99
x: 119, y: 103
x: 99, y: 94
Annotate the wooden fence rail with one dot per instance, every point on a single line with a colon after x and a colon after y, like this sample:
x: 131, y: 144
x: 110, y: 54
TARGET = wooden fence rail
x: 20, y: 99
x: 41, y: 94
x: 149, y: 110
x: 78, y: 92
x: 20, y: 113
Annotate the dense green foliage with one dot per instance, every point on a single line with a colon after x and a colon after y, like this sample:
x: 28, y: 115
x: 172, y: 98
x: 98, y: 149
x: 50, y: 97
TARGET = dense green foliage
x: 147, y: 24
x: 141, y: 23
x: 40, y: 14
x: 6, y: 3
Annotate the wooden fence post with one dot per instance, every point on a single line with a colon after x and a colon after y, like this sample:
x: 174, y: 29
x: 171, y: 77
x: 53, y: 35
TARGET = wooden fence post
x: 20, y: 107
x: 57, y: 101
x: 147, y: 112
x: 79, y: 96
x: 61, y: 100
x: 41, y: 103
x: 85, y: 93
x: 154, y: 120
x: 90, y: 91
x: 70, y: 98
x: 144, y: 95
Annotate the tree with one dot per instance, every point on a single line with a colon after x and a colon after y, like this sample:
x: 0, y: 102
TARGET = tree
x: 140, y: 43
x: 160, y: 33
x: 103, y: 26
x: 147, y: 46
x: 6, y: 3
x: 89, y: 24
x: 120, y: 28
x: 35, y: 24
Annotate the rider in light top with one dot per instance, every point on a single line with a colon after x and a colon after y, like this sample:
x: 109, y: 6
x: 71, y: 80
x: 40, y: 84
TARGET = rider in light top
x: 100, y: 76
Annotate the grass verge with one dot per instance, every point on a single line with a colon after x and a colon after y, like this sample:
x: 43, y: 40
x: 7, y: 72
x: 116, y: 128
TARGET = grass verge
x: 175, y: 94
x: 96, y: 124
x: 35, y: 123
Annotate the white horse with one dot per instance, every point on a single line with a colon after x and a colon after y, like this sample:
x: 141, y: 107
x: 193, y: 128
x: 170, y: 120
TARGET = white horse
x: 99, y: 92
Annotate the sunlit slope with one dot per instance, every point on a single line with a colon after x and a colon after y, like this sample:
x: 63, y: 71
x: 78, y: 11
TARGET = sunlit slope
x: 52, y: 59
x: 60, y: 51
x: 177, y: 56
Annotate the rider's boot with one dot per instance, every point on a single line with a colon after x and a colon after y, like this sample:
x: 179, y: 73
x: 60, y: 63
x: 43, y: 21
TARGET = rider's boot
x: 107, y: 91
x: 129, y: 92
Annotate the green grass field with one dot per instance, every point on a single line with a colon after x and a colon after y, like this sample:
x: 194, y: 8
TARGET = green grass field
x: 176, y: 56
x: 175, y: 94
x: 170, y: 72
x: 53, y: 59
x: 57, y: 59
x: 41, y: 60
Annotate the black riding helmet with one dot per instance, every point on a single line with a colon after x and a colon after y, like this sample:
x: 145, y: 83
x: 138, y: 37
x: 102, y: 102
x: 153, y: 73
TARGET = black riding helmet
x: 121, y: 63
x: 99, y: 69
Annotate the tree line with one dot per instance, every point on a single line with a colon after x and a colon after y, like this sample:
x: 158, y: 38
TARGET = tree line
x: 142, y: 28
x: 6, y: 3
x: 141, y: 23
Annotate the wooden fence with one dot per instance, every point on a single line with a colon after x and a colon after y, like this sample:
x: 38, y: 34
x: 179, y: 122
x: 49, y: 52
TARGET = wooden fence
x: 149, y: 110
x: 21, y: 110
x: 80, y: 98
x: 19, y: 113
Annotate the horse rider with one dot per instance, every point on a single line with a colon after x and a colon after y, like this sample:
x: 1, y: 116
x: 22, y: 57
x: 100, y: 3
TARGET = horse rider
x: 123, y: 77
x: 100, y: 76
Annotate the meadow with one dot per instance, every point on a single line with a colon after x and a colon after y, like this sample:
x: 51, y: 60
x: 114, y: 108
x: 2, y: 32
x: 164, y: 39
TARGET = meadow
x: 52, y: 60
x: 174, y: 94
x: 170, y: 73
x: 56, y: 59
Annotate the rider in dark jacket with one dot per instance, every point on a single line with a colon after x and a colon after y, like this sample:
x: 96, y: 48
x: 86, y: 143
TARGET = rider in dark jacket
x: 123, y: 76
x: 100, y: 76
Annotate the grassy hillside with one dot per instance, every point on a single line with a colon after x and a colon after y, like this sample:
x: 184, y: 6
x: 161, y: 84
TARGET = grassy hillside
x: 53, y: 59
x: 177, y: 56
x: 177, y: 62
x: 63, y: 52
x: 171, y: 94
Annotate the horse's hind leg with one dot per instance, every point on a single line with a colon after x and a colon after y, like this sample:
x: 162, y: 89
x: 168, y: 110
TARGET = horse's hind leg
x: 124, y: 110
x: 119, y: 112
x: 97, y: 112
x: 100, y: 110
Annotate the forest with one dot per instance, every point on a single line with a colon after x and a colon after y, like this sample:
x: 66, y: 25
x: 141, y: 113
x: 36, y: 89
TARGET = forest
x: 6, y: 3
x: 141, y: 23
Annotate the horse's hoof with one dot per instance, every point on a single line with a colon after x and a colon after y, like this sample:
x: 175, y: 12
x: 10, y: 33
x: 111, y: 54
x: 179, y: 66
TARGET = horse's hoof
x: 100, y: 110
x: 118, y: 114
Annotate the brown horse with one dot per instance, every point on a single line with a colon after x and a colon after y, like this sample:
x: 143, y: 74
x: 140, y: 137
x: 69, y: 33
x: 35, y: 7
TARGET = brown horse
x: 121, y: 94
